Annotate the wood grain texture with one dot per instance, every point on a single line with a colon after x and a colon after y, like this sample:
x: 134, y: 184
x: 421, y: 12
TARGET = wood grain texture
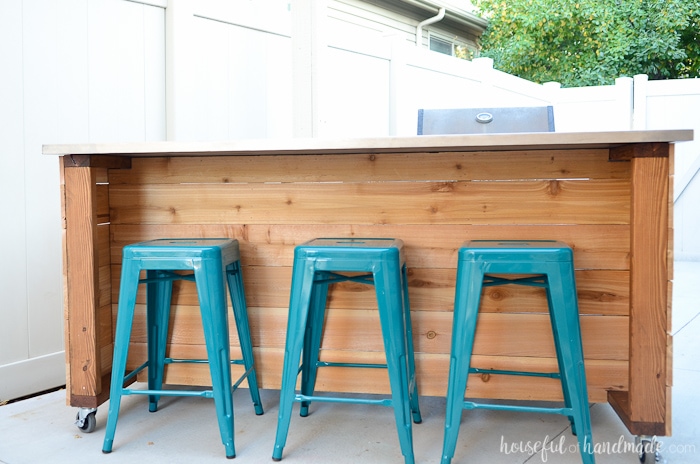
x: 498, y: 334
x: 507, y: 165
x: 81, y: 268
x: 507, y: 203
x: 648, y: 290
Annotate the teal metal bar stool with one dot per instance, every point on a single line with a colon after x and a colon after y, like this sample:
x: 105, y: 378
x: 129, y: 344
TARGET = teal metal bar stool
x: 317, y: 264
x: 547, y: 264
x: 214, y: 262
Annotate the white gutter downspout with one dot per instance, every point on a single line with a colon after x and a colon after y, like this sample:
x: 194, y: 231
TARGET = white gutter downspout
x: 434, y: 19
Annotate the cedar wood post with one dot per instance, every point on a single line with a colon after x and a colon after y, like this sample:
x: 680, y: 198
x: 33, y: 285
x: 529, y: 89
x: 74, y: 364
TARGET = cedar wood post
x: 646, y: 407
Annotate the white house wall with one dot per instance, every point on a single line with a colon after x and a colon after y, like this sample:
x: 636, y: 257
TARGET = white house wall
x: 361, y: 18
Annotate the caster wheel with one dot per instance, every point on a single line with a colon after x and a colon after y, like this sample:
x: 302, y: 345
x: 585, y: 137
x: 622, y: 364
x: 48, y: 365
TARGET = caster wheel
x: 647, y: 458
x: 649, y: 451
x: 88, y: 423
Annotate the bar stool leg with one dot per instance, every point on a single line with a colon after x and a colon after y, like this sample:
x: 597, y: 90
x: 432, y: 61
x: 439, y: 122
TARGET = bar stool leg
x: 125, y: 316
x: 300, y: 299
x: 558, y: 348
x: 470, y: 278
x: 563, y: 295
x: 158, y: 298
x: 389, y: 290
x: 212, y: 301
x: 240, y: 314
x: 413, y: 383
x: 312, y: 339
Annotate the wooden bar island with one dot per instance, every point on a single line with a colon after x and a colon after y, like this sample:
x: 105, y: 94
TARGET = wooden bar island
x: 608, y: 195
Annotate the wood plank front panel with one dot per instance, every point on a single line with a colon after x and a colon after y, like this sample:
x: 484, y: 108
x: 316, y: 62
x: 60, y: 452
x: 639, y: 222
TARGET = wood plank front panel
x: 358, y: 330
x: 423, y: 203
x: 404, y: 167
x: 432, y: 201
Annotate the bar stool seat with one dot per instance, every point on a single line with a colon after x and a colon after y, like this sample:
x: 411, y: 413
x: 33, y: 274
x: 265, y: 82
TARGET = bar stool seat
x: 548, y: 264
x: 317, y: 264
x: 214, y: 262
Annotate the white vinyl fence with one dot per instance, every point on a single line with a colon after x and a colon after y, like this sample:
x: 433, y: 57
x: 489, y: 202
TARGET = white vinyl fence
x: 72, y: 71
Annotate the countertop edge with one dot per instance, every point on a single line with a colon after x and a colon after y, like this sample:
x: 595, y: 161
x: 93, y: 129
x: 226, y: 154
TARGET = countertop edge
x: 411, y: 144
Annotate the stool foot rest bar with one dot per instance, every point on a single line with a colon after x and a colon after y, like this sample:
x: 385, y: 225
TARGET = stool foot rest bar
x: 551, y: 263
x: 318, y: 264
x: 215, y: 263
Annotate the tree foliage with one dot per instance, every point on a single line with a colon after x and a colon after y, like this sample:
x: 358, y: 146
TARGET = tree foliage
x: 592, y: 42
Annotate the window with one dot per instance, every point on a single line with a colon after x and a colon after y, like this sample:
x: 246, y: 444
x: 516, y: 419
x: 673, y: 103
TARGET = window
x: 441, y: 46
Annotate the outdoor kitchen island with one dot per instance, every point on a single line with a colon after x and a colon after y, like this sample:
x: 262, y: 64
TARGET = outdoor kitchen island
x: 607, y: 195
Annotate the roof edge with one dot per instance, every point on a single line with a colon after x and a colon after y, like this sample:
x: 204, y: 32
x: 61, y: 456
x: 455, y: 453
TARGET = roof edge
x: 455, y: 14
